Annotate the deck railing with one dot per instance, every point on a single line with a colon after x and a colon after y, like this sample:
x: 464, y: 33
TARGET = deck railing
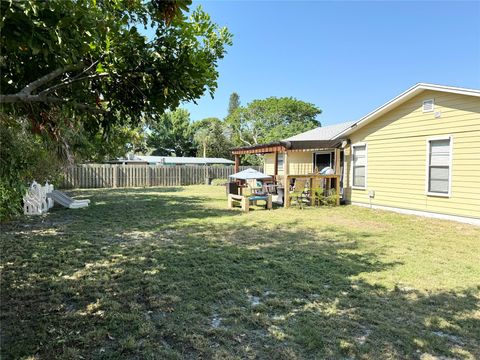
x: 326, y: 182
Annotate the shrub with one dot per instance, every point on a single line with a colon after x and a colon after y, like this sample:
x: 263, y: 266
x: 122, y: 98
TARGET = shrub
x: 24, y: 157
x: 330, y: 199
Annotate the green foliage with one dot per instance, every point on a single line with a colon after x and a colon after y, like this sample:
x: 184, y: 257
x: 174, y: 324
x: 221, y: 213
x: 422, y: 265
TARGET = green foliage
x: 119, y: 141
x: 171, y: 134
x: 10, y: 198
x: 271, y: 119
x: 99, y: 65
x: 24, y: 157
x: 85, y: 78
x: 234, y: 103
x: 252, y: 159
x: 329, y: 199
x: 211, y: 138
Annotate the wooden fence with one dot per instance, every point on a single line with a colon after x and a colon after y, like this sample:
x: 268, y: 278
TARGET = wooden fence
x: 112, y: 176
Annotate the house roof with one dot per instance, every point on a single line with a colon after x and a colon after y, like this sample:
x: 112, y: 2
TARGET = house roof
x: 330, y: 136
x: 321, y: 133
x: 320, y: 137
x: 403, y: 97
x: 182, y: 160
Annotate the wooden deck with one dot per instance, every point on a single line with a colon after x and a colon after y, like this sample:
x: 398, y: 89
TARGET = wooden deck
x: 328, y: 185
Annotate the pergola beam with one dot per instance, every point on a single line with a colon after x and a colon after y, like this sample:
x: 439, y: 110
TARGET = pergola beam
x: 260, y: 149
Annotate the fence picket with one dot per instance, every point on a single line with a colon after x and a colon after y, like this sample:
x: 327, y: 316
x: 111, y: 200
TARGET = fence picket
x: 113, y: 175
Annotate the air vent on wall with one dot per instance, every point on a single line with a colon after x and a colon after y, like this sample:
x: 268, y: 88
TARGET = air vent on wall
x: 428, y: 105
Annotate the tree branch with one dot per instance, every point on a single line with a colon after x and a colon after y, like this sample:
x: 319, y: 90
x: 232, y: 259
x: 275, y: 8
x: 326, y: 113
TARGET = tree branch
x: 27, y: 90
x: 89, y: 108
x: 241, y: 138
x: 86, y: 70
x: 25, y: 98
x: 69, y: 82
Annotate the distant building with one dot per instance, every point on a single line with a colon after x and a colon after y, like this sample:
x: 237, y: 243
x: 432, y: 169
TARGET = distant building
x: 170, y: 160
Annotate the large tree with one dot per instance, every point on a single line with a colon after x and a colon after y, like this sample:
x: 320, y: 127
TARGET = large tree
x: 233, y: 103
x: 172, y: 134
x: 271, y: 119
x: 89, y: 59
x: 80, y: 77
x: 211, y: 138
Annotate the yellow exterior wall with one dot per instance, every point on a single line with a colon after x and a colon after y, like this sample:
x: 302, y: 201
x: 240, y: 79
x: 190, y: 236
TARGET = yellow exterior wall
x: 397, y: 155
x: 269, y: 164
x: 300, y: 162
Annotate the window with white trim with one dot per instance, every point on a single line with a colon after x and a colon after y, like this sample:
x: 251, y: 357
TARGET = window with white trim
x: 359, y: 165
x: 439, y: 153
x: 280, y: 162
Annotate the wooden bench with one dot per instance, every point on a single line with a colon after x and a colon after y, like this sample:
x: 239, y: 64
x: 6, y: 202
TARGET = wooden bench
x: 246, y: 200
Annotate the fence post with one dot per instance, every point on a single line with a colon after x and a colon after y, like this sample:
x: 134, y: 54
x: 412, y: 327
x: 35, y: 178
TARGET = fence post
x: 114, y: 182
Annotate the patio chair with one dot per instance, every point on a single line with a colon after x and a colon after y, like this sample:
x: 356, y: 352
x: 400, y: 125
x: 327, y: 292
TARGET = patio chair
x: 270, y: 188
x: 255, y: 186
x: 299, y: 194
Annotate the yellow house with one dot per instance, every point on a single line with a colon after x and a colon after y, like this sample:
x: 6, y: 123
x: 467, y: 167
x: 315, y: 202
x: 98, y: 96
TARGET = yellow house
x: 418, y: 153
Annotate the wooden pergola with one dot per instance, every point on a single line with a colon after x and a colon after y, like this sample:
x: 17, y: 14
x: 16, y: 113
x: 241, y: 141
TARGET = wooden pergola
x: 291, y: 146
x: 259, y: 149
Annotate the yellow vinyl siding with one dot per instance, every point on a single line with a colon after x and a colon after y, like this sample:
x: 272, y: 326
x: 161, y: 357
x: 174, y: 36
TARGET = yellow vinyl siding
x: 269, y: 164
x: 300, y: 162
x: 397, y: 155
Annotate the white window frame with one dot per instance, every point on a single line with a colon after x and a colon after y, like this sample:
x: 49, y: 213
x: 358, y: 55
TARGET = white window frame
x: 433, y: 105
x: 322, y: 153
x: 427, y: 168
x: 366, y: 165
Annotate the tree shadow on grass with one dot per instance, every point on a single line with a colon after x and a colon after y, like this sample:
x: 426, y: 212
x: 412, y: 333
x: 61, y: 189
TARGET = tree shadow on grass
x: 191, y: 286
x: 114, y: 211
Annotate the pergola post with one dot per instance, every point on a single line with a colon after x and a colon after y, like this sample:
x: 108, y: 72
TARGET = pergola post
x: 286, y: 184
x: 337, y: 172
x: 275, y: 166
x: 337, y: 161
x: 237, y: 164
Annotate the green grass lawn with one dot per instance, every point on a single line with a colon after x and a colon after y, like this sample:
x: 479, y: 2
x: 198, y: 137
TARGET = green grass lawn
x: 164, y: 273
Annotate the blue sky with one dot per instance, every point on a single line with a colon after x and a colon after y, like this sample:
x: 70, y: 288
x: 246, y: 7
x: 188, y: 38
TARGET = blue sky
x: 345, y: 57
